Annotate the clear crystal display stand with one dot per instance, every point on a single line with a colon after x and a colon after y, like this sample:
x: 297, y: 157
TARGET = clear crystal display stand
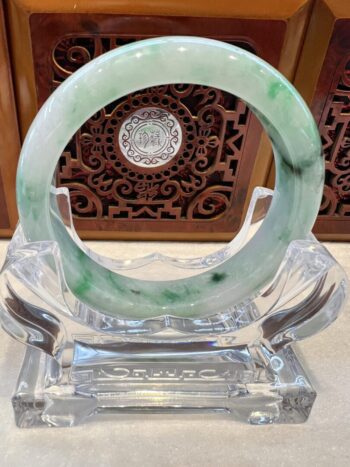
x: 161, y: 333
x: 80, y: 362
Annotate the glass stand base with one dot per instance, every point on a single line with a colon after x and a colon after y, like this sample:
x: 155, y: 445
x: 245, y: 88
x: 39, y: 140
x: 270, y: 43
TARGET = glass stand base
x: 249, y: 385
x: 239, y: 359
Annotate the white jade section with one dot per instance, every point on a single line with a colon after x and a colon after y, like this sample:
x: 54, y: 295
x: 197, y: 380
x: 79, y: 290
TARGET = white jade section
x: 153, y: 62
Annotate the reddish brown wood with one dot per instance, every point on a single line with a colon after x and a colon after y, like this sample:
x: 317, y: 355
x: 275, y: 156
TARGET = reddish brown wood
x: 9, y: 137
x: 4, y: 218
x: 331, y: 107
x: 204, y: 188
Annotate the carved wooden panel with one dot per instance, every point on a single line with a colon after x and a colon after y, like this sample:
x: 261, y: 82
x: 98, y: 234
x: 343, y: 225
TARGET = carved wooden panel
x: 335, y: 132
x: 331, y: 107
x: 9, y: 137
x: 202, y: 188
x: 197, y: 185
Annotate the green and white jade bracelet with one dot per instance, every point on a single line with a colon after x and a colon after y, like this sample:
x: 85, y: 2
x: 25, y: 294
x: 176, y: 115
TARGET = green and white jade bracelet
x: 286, y: 118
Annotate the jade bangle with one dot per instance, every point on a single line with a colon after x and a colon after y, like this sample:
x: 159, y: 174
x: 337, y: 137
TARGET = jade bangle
x: 153, y: 62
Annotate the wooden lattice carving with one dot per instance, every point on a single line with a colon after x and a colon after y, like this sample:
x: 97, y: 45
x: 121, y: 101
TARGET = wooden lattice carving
x: 335, y: 133
x: 200, y: 193
x: 198, y: 184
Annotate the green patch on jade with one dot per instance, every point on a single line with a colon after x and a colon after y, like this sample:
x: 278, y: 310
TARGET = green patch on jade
x: 218, y: 276
x: 274, y: 89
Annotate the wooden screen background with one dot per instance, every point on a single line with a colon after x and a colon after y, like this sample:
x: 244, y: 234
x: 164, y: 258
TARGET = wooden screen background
x: 331, y: 107
x: 203, y: 189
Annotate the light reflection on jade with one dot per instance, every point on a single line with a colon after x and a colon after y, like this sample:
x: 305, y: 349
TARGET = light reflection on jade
x: 153, y: 62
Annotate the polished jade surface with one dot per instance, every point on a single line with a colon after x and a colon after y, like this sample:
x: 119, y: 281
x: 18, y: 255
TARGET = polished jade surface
x: 286, y: 118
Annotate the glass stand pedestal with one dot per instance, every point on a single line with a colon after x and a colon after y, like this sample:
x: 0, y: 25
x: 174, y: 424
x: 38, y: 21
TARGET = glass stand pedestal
x: 117, y: 378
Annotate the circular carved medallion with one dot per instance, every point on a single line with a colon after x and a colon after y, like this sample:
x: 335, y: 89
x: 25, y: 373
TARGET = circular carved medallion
x: 150, y: 137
